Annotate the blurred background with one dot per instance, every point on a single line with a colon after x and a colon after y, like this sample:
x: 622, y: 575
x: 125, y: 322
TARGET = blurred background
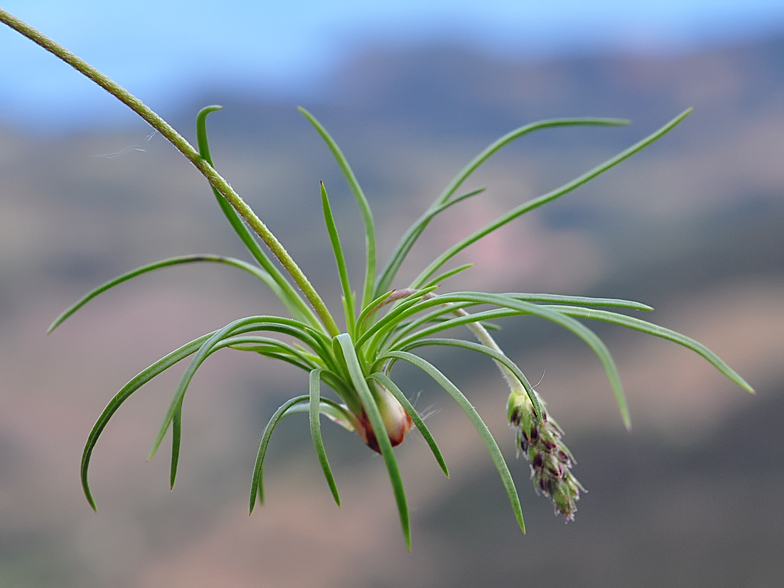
x: 411, y: 91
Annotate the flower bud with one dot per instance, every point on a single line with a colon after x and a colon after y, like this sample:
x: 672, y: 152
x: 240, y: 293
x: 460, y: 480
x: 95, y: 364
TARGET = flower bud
x: 396, y: 420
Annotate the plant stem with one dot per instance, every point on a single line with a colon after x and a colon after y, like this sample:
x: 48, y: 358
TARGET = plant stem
x: 486, y: 338
x: 189, y: 152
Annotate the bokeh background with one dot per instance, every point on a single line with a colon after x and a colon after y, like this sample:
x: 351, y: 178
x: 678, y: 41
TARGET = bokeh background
x: 411, y: 91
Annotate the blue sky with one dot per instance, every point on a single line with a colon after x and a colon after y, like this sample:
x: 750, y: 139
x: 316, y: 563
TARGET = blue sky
x: 286, y: 49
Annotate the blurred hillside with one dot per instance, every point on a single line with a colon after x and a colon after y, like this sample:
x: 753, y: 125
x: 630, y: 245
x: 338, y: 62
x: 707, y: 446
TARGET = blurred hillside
x: 692, y: 226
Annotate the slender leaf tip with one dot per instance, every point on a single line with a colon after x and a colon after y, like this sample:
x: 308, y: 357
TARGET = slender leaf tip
x: 208, y: 109
x: 88, y: 493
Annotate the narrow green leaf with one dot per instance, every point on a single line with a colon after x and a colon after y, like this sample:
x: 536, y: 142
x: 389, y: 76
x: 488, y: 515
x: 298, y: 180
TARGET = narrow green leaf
x: 257, y: 484
x: 362, y: 203
x: 125, y: 392
x: 141, y: 379
x: 372, y: 307
x: 664, y: 333
x: 299, y: 404
x: 335, y: 412
x: 315, y: 432
x: 413, y: 233
x: 434, y: 316
x: 273, y: 348
x: 237, y: 327
x: 412, y: 412
x: 334, y: 238
x: 338, y: 414
x: 201, y: 131
x: 392, y: 317
x: 479, y: 425
x: 550, y: 313
x: 176, y: 438
x: 395, y: 298
x: 536, y: 202
x: 441, y: 277
x: 442, y: 319
x: 580, y: 301
x: 410, y: 237
x: 185, y: 259
x: 371, y: 408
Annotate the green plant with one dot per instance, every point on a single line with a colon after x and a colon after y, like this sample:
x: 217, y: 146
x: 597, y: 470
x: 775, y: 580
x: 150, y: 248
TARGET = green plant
x: 382, y: 325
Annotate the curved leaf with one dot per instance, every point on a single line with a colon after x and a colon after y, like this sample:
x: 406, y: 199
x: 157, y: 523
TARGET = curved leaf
x: 185, y: 259
x: 479, y: 425
x: 413, y: 233
x: 410, y: 237
x: 549, y: 313
x: 549, y: 298
x: 237, y: 327
x: 257, y: 484
x: 315, y: 431
x: 499, y: 357
x: 392, y: 317
x: 536, y: 202
x: 448, y: 274
x: 176, y: 439
x: 372, y: 307
x: 664, y: 333
x: 373, y: 413
x: 580, y: 300
x: 273, y: 348
x: 125, y: 392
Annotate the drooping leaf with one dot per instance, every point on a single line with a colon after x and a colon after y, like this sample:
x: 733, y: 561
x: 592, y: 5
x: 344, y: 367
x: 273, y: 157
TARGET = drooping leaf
x: 479, y: 425
x: 499, y: 357
x: 125, y: 392
x: 257, y: 483
x: 185, y: 259
x: 373, y: 413
x: 238, y: 327
x: 315, y: 432
x: 523, y: 308
x: 664, y: 333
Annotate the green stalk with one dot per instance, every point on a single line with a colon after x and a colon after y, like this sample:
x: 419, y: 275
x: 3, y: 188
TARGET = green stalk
x: 179, y: 142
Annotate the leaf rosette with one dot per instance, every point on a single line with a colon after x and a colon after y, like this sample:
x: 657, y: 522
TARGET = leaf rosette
x: 385, y: 323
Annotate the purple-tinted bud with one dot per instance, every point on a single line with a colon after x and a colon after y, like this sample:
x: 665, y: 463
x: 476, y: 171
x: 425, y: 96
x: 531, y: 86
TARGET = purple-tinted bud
x: 538, y: 461
x: 533, y: 435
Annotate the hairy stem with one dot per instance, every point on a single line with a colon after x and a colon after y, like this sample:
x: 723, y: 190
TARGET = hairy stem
x: 189, y: 152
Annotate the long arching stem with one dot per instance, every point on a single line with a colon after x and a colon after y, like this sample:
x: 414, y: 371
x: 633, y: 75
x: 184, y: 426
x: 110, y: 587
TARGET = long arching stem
x: 189, y: 152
